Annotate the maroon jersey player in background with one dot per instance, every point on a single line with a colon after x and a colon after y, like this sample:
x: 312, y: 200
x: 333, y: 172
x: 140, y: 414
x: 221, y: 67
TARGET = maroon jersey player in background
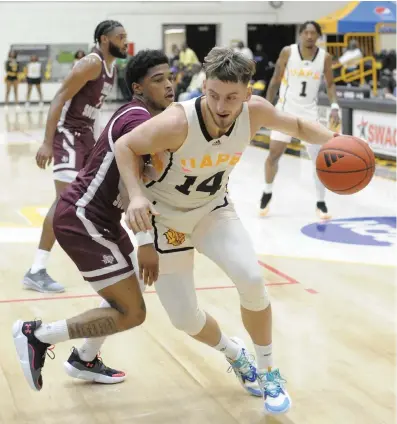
x: 69, y: 133
x: 87, y: 226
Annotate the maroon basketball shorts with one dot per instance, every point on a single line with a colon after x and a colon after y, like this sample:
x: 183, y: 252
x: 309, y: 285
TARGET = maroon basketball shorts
x: 71, y: 150
x: 101, y: 250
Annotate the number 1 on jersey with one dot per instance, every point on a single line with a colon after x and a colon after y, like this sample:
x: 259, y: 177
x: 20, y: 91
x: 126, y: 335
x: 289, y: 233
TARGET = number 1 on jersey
x: 303, y: 92
x: 211, y: 185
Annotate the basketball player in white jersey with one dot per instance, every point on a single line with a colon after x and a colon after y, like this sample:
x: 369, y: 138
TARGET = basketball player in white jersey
x: 184, y: 205
x: 299, y: 70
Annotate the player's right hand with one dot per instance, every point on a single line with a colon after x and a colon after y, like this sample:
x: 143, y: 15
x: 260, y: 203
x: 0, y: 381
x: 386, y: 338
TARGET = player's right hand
x: 138, y: 213
x: 148, y: 261
x: 44, y: 155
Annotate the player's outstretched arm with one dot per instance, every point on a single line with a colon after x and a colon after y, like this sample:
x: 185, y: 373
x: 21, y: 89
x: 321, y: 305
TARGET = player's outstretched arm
x: 86, y: 69
x: 263, y: 114
x: 166, y: 131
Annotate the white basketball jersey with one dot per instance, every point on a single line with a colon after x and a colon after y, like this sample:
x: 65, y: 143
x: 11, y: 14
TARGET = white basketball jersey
x: 301, y: 82
x: 197, y: 173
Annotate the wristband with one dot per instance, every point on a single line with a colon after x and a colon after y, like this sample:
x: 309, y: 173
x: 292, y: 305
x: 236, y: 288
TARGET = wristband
x: 143, y: 238
x: 335, y: 106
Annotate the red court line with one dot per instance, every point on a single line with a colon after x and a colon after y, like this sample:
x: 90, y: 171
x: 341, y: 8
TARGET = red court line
x: 279, y: 273
x: 87, y: 296
x: 288, y: 281
x: 287, y: 277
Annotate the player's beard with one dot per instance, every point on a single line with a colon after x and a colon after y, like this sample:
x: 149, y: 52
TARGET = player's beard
x: 116, y: 52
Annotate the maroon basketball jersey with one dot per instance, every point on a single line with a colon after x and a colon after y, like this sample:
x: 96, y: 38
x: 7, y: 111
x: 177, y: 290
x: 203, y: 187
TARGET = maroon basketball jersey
x: 80, y: 112
x: 96, y: 187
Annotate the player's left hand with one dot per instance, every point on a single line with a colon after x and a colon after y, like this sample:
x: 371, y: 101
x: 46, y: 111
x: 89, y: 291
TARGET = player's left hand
x: 334, y: 119
x: 148, y: 261
x: 44, y: 155
x: 137, y: 214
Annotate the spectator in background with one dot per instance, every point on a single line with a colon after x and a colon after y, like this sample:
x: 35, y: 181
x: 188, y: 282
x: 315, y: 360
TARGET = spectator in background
x: 174, y: 54
x: 351, y: 56
x: 260, y: 55
x: 263, y: 71
x: 79, y: 55
x: 194, y: 89
x: 187, y: 57
x: 390, y: 89
x: 246, y: 51
x: 121, y: 64
x: 12, y: 70
x: 33, y: 77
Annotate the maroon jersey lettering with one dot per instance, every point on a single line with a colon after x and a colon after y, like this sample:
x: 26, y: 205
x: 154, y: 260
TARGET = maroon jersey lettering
x: 80, y: 112
x: 96, y: 187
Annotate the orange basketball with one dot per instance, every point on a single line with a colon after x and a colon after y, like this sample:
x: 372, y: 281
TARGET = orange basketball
x: 345, y: 164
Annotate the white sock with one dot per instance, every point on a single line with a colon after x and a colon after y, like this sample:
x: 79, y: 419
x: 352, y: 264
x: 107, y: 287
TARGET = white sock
x: 268, y: 187
x: 313, y: 150
x: 91, y: 347
x: 40, y: 261
x: 53, y: 333
x: 227, y: 346
x: 320, y: 189
x: 264, y: 357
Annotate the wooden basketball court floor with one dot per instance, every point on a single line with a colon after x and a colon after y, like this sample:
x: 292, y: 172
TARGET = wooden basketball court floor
x: 333, y: 303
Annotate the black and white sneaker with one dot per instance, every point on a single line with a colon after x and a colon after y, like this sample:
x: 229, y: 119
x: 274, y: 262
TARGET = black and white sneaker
x: 31, y: 351
x: 322, y: 211
x: 95, y: 371
x: 266, y: 197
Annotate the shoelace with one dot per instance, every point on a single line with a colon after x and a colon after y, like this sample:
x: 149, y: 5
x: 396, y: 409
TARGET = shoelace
x: 99, y: 359
x: 48, y: 352
x: 243, y: 364
x: 272, y: 382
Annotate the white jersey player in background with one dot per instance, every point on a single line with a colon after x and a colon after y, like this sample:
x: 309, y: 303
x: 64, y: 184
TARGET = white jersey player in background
x: 185, y: 206
x: 300, y: 69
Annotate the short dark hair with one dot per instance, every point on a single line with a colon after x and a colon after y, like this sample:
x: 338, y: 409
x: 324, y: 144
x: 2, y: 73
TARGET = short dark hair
x: 314, y: 23
x: 104, y: 28
x: 138, y: 65
x: 226, y: 65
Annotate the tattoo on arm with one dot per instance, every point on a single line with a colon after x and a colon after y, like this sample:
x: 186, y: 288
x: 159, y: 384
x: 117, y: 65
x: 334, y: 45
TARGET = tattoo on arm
x: 95, y: 328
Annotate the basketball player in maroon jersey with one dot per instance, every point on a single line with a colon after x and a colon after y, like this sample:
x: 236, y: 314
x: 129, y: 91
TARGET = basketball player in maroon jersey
x: 69, y: 135
x: 87, y: 226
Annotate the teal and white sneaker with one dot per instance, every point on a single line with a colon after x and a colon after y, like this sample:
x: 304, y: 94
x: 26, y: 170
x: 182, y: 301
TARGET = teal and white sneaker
x: 277, y: 400
x: 245, y: 369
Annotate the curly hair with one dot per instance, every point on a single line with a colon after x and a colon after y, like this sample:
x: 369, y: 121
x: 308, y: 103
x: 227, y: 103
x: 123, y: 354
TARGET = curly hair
x: 138, y: 65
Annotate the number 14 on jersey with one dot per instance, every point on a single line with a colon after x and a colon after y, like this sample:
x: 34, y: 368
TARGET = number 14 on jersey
x: 210, y: 185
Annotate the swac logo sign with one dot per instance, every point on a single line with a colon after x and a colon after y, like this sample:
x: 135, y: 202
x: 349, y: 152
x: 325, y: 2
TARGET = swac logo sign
x: 382, y: 11
x: 368, y: 231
